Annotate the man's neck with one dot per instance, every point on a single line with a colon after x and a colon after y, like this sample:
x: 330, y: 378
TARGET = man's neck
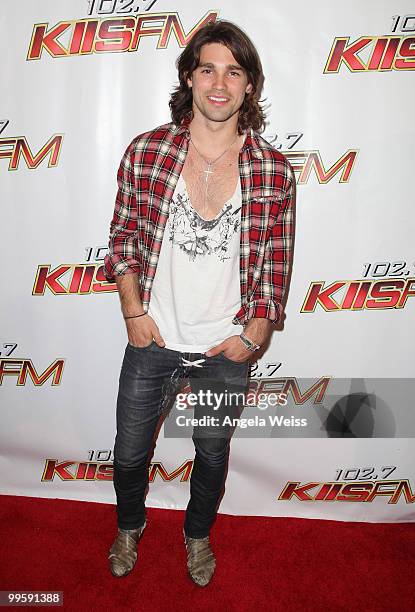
x: 213, y: 136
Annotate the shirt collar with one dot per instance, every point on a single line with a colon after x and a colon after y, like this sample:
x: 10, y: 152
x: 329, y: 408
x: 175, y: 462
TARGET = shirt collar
x: 183, y: 128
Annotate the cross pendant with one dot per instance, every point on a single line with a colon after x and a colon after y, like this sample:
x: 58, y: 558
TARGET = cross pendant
x: 207, y: 172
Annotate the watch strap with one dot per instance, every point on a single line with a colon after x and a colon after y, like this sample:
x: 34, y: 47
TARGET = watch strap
x: 251, y: 346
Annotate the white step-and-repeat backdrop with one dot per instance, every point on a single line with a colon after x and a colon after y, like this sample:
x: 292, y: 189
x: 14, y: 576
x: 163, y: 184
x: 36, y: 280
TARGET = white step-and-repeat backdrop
x: 80, y: 79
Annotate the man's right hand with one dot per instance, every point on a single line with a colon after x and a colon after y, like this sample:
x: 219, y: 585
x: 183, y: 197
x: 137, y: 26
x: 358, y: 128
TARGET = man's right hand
x: 142, y: 330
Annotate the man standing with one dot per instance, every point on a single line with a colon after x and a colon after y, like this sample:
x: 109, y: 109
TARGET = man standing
x: 200, y: 248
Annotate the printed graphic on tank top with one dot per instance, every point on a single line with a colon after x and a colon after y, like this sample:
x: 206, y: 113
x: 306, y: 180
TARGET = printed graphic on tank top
x: 196, y: 289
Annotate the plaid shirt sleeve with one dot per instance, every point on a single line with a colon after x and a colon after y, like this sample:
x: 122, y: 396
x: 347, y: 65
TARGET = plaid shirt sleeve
x: 122, y: 247
x: 266, y: 301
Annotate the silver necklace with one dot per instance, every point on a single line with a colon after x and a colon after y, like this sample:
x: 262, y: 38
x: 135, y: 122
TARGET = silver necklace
x: 209, y: 171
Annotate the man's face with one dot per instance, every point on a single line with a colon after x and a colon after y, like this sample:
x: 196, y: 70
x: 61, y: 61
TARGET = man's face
x: 219, y: 84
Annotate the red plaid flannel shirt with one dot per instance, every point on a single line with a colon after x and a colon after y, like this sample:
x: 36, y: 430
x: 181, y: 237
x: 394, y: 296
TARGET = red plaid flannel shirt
x: 147, y: 177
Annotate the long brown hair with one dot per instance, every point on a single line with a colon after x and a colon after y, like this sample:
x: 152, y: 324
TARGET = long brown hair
x: 251, y: 115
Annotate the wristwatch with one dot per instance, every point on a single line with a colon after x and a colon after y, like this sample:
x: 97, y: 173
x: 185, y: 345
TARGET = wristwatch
x: 251, y: 346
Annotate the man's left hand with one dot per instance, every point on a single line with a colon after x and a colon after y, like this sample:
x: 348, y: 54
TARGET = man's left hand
x: 233, y: 348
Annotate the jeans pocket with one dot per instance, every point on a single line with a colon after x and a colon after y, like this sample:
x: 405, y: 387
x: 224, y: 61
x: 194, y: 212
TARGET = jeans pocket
x: 222, y: 354
x: 140, y: 348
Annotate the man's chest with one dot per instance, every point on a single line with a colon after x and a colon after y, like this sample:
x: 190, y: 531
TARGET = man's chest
x: 259, y: 182
x: 210, y: 187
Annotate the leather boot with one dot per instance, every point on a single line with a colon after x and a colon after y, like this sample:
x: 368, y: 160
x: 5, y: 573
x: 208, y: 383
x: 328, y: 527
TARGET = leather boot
x: 201, y: 561
x: 123, y: 553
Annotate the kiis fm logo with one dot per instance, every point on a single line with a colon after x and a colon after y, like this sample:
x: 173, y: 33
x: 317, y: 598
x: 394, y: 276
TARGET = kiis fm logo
x: 99, y: 466
x: 23, y: 369
x: 384, y: 52
x: 364, y: 294
x: 351, y: 492
x: 306, y: 162
x: 116, y: 34
x: 78, y: 279
x: 15, y: 148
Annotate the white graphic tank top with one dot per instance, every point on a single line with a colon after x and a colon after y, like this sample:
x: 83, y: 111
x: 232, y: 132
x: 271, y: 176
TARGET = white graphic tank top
x: 196, y: 289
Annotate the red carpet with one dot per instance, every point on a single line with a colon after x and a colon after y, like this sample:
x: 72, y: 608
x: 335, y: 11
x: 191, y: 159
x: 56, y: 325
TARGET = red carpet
x: 263, y: 564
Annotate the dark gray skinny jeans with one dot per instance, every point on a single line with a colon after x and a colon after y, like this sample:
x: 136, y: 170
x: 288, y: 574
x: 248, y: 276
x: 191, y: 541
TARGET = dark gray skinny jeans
x: 149, y: 380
